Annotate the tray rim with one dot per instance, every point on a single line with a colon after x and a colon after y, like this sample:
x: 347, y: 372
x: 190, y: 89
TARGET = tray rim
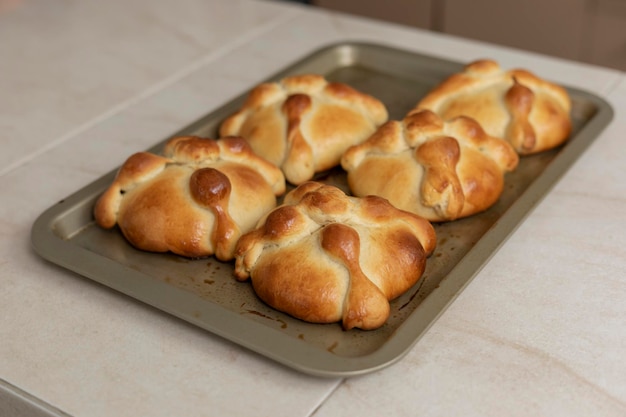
x: 279, y: 346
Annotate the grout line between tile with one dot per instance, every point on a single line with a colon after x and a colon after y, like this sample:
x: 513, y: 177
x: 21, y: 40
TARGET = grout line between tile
x: 614, y: 85
x: 24, y: 403
x: 155, y: 88
x: 340, y: 382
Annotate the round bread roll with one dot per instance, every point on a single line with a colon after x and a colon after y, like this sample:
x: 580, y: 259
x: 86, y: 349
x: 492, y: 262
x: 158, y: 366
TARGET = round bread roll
x: 439, y: 170
x: 326, y: 257
x: 303, y: 124
x: 194, y: 201
x: 529, y: 112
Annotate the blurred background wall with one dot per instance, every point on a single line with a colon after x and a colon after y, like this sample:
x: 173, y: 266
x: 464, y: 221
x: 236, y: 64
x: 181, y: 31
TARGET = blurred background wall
x: 592, y: 31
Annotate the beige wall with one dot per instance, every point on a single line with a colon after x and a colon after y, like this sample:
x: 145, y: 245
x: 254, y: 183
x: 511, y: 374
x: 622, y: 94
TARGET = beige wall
x: 591, y: 31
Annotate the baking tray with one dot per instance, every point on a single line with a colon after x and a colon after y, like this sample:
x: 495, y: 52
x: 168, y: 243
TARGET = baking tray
x: 203, y: 292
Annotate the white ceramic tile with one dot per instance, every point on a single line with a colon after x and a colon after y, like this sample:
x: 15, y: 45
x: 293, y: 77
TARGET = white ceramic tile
x: 64, y: 64
x: 538, y: 332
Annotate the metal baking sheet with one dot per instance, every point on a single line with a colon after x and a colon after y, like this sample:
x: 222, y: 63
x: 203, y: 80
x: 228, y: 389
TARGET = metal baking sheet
x: 204, y: 292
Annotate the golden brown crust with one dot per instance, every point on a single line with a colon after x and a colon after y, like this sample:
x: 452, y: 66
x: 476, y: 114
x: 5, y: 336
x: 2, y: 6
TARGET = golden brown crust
x: 529, y: 112
x: 303, y: 123
x: 194, y: 201
x: 438, y: 170
x: 325, y: 257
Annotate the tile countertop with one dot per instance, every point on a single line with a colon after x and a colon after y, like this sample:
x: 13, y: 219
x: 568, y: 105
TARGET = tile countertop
x: 541, y: 330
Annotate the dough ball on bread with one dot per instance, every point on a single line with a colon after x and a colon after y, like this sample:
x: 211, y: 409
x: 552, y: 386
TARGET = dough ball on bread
x: 440, y: 170
x: 303, y: 124
x: 326, y: 257
x: 196, y: 200
x: 529, y: 112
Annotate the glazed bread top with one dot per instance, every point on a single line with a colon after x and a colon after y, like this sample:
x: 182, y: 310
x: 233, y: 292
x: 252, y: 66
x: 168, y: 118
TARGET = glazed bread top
x: 529, y: 112
x: 440, y: 170
x: 195, y: 200
x: 303, y: 124
x: 325, y: 257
